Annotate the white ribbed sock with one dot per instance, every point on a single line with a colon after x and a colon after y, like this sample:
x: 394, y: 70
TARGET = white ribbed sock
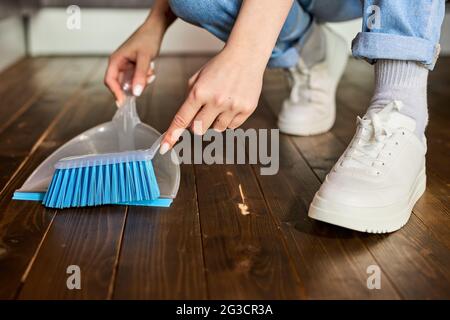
x: 405, y: 81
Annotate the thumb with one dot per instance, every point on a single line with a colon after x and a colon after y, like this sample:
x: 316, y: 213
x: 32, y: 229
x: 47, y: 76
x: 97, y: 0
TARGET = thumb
x: 140, y: 73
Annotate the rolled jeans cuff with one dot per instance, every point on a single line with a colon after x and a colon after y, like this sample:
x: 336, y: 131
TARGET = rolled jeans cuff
x: 373, y: 46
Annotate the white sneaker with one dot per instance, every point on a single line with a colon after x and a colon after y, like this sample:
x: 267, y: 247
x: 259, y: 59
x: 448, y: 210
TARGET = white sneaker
x: 376, y: 182
x: 311, y: 107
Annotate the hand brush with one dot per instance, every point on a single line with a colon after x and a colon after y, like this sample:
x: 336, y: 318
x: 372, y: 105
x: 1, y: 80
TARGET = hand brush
x: 110, y: 178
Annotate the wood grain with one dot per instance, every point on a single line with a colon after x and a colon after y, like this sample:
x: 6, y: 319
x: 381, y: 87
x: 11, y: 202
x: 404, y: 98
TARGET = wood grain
x: 161, y: 255
x: 28, y: 83
x: 23, y: 224
x: 23, y: 132
x: 204, y: 246
x: 244, y: 253
x: 90, y: 237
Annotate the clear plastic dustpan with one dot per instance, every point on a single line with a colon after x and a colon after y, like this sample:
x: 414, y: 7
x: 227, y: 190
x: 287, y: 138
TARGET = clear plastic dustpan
x: 106, y: 138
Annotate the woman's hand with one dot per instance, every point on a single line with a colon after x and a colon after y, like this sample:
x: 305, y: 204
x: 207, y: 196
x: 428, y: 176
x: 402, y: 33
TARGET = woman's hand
x: 222, y: 94
x: 226, y: 90
x: 133, y: 58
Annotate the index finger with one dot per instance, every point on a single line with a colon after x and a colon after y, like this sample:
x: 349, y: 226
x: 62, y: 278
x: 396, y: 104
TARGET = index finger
x: 181, y: 121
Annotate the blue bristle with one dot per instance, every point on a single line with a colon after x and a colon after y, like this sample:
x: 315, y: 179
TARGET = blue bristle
x: 129, y: 175
x: 77, y: 189
x: 102, y: 184
x: 122, y: 186
x: 84, y: 195
x: 144, y: 177
x: 134, y: 170
x: 70, y: 186
x: 99, y: 188
x: 114, y: 188
x: 107, y: 182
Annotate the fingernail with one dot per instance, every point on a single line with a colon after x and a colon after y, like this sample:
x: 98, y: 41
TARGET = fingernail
x: 118, y: 104
x: 151, y: 79
x: 164, y: 148
x: 126, y: 86
x: 137, y: 90
x: 152, y: 65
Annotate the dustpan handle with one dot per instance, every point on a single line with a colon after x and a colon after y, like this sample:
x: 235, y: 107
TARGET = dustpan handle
x: 126, y: 117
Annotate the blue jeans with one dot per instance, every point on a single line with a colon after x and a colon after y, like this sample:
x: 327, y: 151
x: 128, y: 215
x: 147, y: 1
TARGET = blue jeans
x: 400, y: 29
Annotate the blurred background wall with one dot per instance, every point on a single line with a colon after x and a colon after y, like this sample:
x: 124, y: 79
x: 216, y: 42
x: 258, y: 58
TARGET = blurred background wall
x: 43, y: 27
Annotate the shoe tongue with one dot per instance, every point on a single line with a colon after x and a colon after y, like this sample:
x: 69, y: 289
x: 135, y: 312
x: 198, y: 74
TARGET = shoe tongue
x: 398, y: 120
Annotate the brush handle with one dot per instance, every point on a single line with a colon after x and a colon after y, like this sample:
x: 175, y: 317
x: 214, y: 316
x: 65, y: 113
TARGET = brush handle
x: 126, y: 117
x: 155, y: 146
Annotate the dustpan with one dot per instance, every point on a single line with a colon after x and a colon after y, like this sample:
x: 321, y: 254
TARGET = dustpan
x: 105, y: 138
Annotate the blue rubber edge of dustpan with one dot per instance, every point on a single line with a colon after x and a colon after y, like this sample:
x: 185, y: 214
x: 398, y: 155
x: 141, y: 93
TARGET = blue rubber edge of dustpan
x: 39, y: 196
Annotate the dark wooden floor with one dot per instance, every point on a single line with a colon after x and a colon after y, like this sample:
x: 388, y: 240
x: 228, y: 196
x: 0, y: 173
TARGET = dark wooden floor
x: 203, y: 247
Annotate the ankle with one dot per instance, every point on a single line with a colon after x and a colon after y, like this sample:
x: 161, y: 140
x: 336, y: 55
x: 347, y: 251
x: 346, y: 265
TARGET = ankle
x: 405, y: 81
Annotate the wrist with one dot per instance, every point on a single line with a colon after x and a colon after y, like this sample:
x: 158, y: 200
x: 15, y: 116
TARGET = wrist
x: 245, y: 56
x: 159, y: 21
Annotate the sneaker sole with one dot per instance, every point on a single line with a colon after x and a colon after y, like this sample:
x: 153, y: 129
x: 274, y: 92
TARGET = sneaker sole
x: 317, y: 127
x: 371, y: 220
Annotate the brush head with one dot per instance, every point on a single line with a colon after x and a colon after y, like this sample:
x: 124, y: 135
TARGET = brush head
x: 92, y: 180
x: 92, y: 160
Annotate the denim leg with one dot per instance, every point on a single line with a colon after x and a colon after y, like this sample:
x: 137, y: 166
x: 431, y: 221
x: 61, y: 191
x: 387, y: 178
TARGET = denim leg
x: 333, y: 10
x: 218, y: 17
x: 400, y: 30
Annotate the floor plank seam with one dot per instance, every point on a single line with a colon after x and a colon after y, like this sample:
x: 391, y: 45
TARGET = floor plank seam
x: 199, y: 219
x: 33, y: 258
x: 111, y: 287
x: 282, y: 237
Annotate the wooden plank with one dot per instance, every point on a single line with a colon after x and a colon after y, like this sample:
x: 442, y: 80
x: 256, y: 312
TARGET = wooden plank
x: 245, y: 256
x: 87, y: 237
x: 438, y: 134
x: 244, y: 252
x: 24, y: 88
x: 20, y: 72
x: 23, y: 133
x: 22, y: 224
x: 161, y: 256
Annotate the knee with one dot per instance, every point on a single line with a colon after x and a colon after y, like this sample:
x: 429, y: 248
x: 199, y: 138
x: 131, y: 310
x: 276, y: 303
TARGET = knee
x: 191, y: 11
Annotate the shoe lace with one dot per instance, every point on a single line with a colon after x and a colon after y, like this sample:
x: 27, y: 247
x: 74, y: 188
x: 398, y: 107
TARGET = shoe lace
x: 303, y: 86
x: 373, y: 135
